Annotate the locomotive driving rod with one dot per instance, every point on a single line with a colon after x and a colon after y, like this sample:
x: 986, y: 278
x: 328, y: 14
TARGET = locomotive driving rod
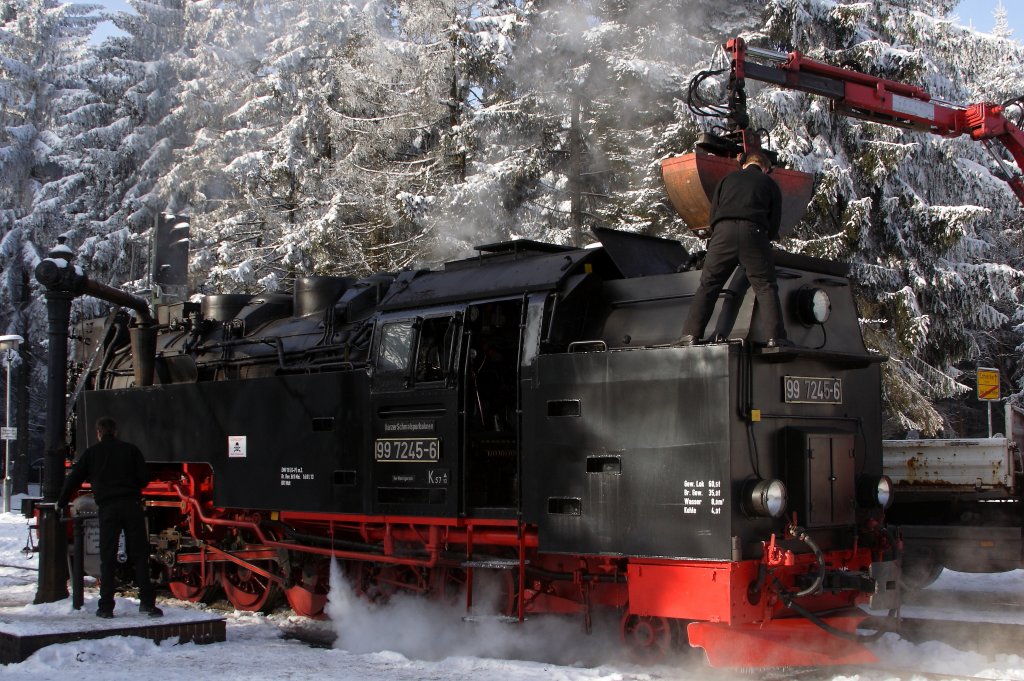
x: 433, y: 544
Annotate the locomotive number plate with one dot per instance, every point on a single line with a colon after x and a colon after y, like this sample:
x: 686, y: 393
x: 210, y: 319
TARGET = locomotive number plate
x: 812, y: 389
x: 407, y: 449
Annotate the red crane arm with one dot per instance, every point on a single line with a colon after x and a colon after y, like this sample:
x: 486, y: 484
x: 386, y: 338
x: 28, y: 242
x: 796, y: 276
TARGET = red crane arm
x: 868, y: 97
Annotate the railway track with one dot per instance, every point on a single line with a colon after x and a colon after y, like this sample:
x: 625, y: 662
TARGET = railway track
x: 18, y: 574
x: 1000, y: 601
x: 988, y: 638
x: 981, y: 637
x: 898, y: 674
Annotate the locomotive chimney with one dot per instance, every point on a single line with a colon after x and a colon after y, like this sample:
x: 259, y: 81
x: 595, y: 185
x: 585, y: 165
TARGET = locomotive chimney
x: 316, y: 294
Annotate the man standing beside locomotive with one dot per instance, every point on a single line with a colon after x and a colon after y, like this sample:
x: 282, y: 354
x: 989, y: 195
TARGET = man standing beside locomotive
x: 117, y: 472
x: 746, y: 210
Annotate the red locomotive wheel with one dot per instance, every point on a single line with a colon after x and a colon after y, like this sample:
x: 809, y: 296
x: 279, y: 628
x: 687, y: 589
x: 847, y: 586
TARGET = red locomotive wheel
x: 308, y: 597
x: 920, y: 569
x: 360, y: 576
x: 448, y: 584
x: 500, y: 588
x: 247, y: 590
x: 648, y: 638
x: 494, y: 591
x: 393, y: 579
x: 305, y: 602
x: 186, y: 583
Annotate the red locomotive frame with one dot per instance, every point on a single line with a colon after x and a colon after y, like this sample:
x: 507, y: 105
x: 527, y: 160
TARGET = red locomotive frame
x: 713, y: 601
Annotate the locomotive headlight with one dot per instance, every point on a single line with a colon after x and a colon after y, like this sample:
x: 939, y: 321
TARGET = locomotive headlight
x: 883, y: 491
x: 766, y: 498
x: 876, y: 490
x: 813, y: 305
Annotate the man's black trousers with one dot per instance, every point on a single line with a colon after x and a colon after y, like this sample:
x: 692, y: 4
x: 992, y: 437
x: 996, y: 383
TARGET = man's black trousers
x: 116, y: 515
x: 745, y: 243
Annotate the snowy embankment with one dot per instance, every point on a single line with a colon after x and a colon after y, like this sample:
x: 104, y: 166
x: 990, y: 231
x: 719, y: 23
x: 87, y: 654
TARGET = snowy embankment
x: 412, y: 639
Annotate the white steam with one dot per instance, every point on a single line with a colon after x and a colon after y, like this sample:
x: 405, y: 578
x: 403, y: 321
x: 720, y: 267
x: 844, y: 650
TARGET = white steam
x: 424, y: 629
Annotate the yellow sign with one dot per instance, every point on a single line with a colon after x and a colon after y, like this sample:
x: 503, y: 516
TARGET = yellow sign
x: 988, y: 384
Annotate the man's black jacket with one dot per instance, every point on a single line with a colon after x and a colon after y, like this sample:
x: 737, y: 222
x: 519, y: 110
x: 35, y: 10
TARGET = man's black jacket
x: 751, y: 195
x: 115, y: 469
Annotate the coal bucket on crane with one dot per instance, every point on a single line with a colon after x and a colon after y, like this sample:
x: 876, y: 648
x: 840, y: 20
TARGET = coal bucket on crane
x: 690, y: 180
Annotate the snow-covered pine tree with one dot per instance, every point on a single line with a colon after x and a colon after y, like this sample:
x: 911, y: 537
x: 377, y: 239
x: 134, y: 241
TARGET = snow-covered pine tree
x: 393, y: 104
x: 130, y: 151
x: 1001, y: 29
x: 120, y: 145
x: 228, y: 118
x: 490, y: 142
x: 293, y: 177
x: 570, y: 134
x: 44, y: 103
x: 315, y: 128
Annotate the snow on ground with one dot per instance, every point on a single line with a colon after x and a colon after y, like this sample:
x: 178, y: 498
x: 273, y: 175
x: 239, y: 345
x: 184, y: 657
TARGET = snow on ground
x: 411, y: 639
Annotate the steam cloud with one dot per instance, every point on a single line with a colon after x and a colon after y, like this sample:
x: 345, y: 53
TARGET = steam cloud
x: 429, y: 630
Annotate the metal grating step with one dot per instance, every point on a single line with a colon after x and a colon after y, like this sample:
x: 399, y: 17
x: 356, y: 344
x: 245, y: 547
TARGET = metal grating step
x: 494, y: 564
x: 503, y: 619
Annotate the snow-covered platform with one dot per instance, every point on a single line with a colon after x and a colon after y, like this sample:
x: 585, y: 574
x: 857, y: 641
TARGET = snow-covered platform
x: 26, y: 629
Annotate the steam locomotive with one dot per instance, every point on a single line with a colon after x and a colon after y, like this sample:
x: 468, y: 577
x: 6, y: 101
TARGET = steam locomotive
x: 524, y: 416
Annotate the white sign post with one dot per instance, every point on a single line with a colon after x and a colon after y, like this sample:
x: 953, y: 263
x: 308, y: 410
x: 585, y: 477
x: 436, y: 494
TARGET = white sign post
x: 9, y: 344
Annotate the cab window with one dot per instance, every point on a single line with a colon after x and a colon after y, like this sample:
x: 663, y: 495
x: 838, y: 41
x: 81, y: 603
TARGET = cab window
x: 395, y: 346
x: 435, y: 348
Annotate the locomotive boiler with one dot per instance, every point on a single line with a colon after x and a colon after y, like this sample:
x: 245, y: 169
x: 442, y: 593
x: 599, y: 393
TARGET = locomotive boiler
x: 521, y: 415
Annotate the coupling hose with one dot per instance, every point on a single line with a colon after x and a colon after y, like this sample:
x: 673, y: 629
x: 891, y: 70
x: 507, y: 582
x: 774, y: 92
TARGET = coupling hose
x: 801, y: 534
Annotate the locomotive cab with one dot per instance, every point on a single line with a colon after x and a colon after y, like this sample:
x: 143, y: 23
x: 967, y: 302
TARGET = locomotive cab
x: 446, y: 410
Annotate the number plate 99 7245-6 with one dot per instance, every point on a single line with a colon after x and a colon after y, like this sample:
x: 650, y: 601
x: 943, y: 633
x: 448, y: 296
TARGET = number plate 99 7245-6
x: 812, y: 389
x: 407, y: 449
